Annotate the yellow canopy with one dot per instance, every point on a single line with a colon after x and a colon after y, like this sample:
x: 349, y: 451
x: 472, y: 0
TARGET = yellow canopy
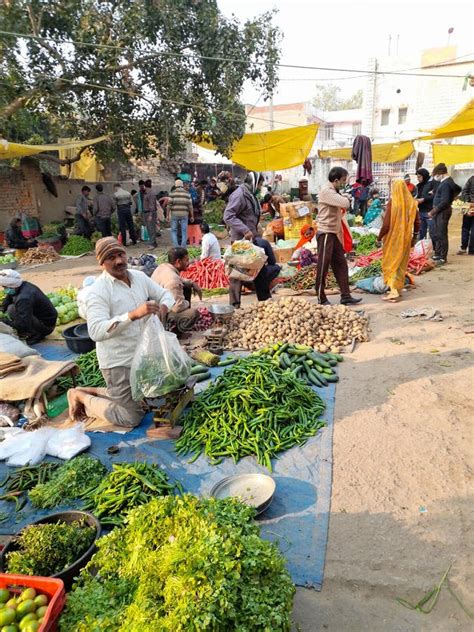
x: 86, y: 168
x: 272, y: 151
x: 16, y: 150
x: 453, y: 154
x: 384, y: 152
x: 461, y: 124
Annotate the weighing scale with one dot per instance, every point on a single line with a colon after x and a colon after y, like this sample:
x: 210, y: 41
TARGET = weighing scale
x: 216, y: 335
x: 168, y: 409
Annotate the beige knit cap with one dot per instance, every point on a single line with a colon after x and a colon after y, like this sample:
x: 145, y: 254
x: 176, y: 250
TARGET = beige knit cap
x: 105, y: 247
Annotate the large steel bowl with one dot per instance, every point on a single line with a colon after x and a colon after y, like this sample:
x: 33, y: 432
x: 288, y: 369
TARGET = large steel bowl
x: 256, y: 490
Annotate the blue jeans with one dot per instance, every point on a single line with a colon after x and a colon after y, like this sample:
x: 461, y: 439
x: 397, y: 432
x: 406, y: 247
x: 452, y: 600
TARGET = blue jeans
x: 426, y: 226
x: 183, y: 221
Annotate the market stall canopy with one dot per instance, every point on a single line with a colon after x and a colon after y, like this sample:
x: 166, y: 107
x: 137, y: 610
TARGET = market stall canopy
x: 453, y: 154
x: 272, y: 151
x: 385, y: 152
x: 86, y: 168
x: 461, y: 124
x: 16, y: 150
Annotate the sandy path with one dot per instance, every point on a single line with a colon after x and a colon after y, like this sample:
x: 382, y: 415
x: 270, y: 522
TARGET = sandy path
x: 403, y: 447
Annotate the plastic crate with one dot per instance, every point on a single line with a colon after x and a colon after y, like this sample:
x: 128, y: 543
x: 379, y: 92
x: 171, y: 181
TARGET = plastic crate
x: 52, y: 588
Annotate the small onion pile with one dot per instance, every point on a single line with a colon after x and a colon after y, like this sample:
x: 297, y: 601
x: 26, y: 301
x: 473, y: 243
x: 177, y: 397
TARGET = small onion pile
x: 205, y: 319
x: 296, y: 320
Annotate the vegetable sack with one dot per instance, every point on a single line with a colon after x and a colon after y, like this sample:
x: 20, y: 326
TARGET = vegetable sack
x: 244, y: 260
x: 159, y: 365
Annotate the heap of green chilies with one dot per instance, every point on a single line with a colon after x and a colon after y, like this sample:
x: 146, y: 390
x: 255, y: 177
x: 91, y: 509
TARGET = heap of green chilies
x: 253, y: 408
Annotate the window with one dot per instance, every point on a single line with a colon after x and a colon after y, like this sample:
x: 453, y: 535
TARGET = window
x: 402, y: 115
x: 356, y: 129
x: 385, y: 118
x: 329, y: 132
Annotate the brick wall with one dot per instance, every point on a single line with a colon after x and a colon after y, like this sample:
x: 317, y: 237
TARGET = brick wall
x: 16, y: 195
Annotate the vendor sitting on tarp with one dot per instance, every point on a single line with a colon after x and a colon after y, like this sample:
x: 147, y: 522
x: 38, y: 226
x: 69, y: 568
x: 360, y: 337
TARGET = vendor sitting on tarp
x: 117, y: 304
x: 14, y: 237
x: 30, y: 311
x: 182, y: 315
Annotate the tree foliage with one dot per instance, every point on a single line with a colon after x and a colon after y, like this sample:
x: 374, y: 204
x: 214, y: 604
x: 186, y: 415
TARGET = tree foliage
x: 328, y: 98
x: 137, y: 70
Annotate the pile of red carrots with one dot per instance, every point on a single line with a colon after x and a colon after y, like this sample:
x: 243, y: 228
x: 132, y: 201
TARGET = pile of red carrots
x: 208, y: 273
x: 416, y: 263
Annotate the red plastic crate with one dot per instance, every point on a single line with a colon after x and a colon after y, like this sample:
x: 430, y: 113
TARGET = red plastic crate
x: 52, y: 588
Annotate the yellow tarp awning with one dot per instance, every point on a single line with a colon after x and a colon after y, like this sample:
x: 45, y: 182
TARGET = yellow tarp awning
x: 453, y: 154
x: 384, y: 152
x: 272, y: 151
x: 86, y: 168
x: 461, y: 124
x: 16, y: 150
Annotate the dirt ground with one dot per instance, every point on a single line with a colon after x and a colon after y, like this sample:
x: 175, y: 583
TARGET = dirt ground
x: 401, y: 507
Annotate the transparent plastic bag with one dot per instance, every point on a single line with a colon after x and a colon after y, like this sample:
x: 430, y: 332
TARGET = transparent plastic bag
x: 160, y: 365
x: 424, y: 247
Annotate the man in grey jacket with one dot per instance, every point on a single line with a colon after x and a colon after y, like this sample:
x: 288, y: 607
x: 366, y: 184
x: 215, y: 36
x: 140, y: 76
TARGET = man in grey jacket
x: 242, y: 215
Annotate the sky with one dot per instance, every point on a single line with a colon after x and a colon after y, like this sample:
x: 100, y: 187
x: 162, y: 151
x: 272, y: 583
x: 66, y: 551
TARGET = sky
x: 346, y: 34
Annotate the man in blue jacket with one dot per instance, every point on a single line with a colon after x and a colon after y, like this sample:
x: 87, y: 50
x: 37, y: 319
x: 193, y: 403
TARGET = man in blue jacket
x: 442, y: 210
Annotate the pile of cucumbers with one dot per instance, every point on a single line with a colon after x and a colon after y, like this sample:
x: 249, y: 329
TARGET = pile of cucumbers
x: 202, y: 371
x: 315, y: 369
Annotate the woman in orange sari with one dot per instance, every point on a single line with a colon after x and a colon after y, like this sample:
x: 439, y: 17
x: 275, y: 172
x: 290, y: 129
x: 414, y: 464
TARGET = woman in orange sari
x: 401, y: 221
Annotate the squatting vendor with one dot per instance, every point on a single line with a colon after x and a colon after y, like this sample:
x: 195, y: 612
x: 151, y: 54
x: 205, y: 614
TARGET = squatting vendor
x: 116, y: 307
x: 30, y: 311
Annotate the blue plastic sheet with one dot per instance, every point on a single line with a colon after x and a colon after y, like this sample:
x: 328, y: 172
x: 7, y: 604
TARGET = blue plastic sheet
x: 298, y: 517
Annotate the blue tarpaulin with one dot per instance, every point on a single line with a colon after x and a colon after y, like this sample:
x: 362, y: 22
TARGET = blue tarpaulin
x: 297, y: 518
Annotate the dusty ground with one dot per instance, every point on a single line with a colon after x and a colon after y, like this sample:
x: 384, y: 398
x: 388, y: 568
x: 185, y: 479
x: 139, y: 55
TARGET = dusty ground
x: 403, y: 455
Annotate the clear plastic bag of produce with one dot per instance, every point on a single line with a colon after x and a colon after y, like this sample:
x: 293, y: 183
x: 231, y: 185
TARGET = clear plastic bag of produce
x: 244, y: 260
x: 160, y: 365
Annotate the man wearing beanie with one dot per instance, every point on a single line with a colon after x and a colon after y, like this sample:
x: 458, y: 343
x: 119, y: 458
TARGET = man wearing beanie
x: 180, y: 210
x: 116, y: 306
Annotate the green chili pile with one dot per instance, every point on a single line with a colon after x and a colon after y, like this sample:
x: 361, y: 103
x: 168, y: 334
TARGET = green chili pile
x: 90, y: 374
x: 128, y: 485
x: 254, y: 408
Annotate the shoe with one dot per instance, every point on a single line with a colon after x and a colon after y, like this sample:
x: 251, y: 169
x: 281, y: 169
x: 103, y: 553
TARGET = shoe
x: 326, y: 302
x: 350, y: 301
x: 461, y: 251
x: 435, y: 257
x: 440, y: 262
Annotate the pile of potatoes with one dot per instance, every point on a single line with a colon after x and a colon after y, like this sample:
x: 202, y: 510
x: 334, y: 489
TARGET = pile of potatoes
x: 296, y: 320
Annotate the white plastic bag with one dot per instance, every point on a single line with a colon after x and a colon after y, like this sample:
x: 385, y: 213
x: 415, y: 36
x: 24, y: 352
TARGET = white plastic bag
x: 10, y: 344
x: 160, y: 365
x: 424, y: 247
x: 68, y: 442
x: 25, y: 448
x: 244, y: 260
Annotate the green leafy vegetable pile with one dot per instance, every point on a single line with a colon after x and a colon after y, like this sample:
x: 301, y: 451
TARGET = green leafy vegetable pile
x: 373, y: 269
x: 254, y: 408
x: 183, y: 564
x: 366, y: 245
x: 69, y: 482
x: 128, y: 485
x: 47, y: 549
x: 214, y: 212
x: 77, y: 245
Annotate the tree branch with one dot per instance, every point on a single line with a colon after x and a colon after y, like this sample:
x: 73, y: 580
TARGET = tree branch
x: 64, y: 162
x: 36, y: 27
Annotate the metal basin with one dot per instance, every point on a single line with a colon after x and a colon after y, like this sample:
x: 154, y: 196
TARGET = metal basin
x: 221, y: 312
x: 256, y: 490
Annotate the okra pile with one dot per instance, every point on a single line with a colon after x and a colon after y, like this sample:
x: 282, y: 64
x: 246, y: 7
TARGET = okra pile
x: 254, y: 408
x: 316, y: 369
